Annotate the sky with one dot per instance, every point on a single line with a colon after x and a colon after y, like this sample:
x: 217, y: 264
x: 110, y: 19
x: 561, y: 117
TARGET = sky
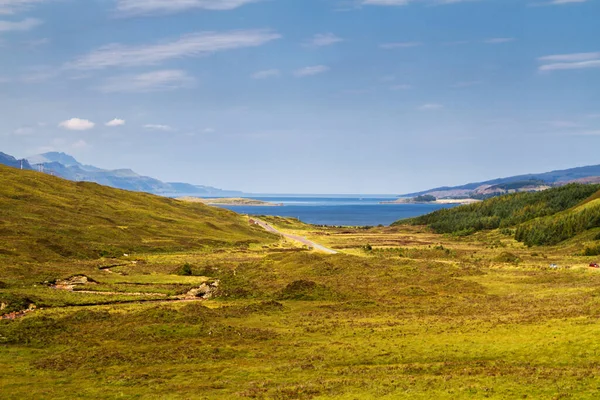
x: 304, y: 96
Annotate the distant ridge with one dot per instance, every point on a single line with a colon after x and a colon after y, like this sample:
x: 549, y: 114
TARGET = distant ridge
x: 65, y: 166
x: 9, y: 160
x: 527, y: 182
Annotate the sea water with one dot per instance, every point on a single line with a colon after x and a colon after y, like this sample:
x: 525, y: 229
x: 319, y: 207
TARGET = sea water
x: 338, y: 211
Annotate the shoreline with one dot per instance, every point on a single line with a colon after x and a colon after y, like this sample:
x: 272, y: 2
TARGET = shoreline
x: 440, y: 201
x: 238, y: 201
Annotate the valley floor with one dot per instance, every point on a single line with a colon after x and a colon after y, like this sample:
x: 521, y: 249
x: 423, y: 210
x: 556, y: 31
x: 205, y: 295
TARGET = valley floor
x: 398, y: 313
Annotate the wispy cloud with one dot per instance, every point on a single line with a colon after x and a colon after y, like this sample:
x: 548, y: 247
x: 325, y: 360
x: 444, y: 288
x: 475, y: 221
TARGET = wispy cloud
x: 77, y: 124
x: 149, y: 7
x: 323, y: 39
x: 8, y: 7
x: 569, y: 61
x: 310, y: 71
x: 562, y: 2
x: 267, y: 73
x: 385, y: 2
x: 115, y: 122
x: 499, y: 40
x: 192, y: 45
x: 399, y: 45
x: 398, y: 3
x: 158, y: 127
x: 575, y: 65
x: 571, y: 57
x: 19, y: 26
x: 431, y: 106
x: 147, y: 82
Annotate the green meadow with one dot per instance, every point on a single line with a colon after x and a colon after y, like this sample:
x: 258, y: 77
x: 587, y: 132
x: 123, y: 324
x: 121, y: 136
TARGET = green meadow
x: 402, y: 312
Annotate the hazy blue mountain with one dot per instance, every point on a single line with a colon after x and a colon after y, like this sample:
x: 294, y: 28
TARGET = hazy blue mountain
x: 6, y: 159
x: 67, y: 167
x: 532, y: 181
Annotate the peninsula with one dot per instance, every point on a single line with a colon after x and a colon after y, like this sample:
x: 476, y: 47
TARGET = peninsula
x: 237, y: 201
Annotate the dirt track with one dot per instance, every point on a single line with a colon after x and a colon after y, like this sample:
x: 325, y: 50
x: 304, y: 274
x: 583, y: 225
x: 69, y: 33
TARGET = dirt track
x: 300, y: 239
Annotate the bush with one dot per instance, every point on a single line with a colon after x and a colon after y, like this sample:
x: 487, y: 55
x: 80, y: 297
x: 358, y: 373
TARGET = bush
x: 185, y: 270
x: 507, y: 257
x: 592, y: 251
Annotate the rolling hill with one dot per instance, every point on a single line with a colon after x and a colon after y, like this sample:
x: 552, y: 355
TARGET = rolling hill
x: 46, y: 218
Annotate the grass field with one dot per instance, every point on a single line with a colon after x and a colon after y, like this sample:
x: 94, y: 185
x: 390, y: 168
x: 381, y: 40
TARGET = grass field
x: 400, y: 313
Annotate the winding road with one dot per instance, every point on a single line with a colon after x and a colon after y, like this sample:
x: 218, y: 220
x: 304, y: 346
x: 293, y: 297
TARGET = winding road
x: 300, y: 239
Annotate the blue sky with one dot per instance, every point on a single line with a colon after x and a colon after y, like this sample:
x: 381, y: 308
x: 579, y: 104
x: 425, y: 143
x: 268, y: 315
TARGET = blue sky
x: 304, y: 96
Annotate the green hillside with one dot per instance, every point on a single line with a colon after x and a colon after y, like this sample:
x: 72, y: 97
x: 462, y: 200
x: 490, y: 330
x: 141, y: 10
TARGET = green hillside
x: 44, y: 218
x: 562, y: 226
x: 516, y: 209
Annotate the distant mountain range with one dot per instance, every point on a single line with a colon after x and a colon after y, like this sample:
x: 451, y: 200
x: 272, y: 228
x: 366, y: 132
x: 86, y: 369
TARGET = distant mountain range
x: 519, y: 183
x: 67, y: 167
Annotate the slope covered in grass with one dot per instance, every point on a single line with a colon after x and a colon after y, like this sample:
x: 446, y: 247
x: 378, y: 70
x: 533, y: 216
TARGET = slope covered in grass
x: 562, y: 226
x: 43, y: 218
x: 505, y: 211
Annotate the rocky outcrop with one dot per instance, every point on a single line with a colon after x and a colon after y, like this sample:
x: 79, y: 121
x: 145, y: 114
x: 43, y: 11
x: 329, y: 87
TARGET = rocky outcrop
x: 205, y: 291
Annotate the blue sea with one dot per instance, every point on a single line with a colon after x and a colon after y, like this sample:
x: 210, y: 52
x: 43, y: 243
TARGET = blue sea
x: 338, y: 211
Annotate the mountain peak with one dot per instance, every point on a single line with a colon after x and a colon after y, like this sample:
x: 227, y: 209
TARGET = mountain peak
x: 54, y: 156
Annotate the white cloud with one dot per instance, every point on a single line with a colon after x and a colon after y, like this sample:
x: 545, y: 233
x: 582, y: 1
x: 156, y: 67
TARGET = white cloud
x: 571, y: 57
x: 19, y: 26
x: 560, y: 2
x: 77, y: 124
x: 499, y: 40
x: 570, y: 61
x: 14, y: 6
x: 400, y: 45
x: 158, y: 127
x: 573, y: 65
x: 267, y: 73
x: 147, y: 82
x: 310, y: 71
x: 146, y: 7
x: 324, y: 39
x: 115, y: 122
x: 398, y: 3
x: 430, y: 106
x: 192, y: 45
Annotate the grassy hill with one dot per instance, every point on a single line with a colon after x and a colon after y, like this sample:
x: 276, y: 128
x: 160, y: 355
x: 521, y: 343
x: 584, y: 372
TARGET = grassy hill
x: 575, y: 206
x: 44, y: 218
x: 564, y: 225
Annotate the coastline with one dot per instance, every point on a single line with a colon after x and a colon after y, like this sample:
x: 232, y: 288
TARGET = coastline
x: 440, y: 201
x: 229, y: 202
